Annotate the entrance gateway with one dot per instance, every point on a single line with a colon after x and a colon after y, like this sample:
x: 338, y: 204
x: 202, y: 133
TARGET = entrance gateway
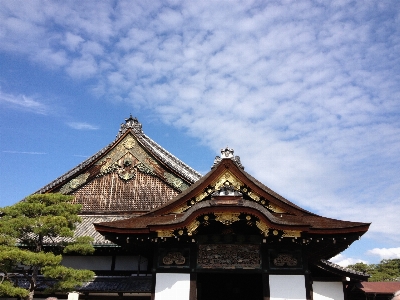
x: 166, y: 232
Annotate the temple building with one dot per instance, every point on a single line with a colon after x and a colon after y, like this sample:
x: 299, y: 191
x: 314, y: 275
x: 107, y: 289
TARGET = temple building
x: 164, y: 231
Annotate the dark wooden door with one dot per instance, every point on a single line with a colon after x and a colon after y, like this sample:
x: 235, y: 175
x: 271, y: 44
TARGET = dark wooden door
x: 228, y: 286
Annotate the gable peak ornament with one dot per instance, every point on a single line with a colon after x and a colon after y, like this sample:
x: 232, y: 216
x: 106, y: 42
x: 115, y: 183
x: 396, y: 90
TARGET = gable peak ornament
x: 227, y: 153
x: 130, y: 123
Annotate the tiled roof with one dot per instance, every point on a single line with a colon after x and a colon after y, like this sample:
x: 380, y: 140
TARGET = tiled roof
x: 131, y: 284
x: 386, y: 287
x: 101, y: 284
x: 340, y: 268
x: 86, y: 228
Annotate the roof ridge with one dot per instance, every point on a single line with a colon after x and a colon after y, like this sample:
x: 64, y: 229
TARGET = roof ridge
x: 133, y: 125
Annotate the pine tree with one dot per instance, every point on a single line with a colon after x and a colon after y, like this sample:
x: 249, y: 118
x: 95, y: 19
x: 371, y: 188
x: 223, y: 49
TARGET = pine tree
x: 34, y: 233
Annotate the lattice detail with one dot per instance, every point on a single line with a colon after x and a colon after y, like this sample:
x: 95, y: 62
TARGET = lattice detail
x: 227, y: 218
x: 111, y: 193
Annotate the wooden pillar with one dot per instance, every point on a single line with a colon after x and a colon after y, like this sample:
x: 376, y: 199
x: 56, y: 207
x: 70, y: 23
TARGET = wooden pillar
x: 193, y: 286
x: 193, y: 271
x: 265, y: 286
x: 308, y: 283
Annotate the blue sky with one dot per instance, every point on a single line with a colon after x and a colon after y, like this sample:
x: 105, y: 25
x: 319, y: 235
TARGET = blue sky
x: 306, y: 92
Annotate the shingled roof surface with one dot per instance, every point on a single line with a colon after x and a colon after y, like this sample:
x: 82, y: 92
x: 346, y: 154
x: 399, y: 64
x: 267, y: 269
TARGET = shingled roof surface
x: 133, y: 174
x: 132, y: 125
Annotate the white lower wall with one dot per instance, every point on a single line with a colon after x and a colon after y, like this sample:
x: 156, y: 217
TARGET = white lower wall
x: 285, y: 287
x: 172, y: 286
x: 328, y: 291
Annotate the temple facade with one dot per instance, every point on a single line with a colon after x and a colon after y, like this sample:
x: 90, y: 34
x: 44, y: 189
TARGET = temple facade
x: 163, y: 231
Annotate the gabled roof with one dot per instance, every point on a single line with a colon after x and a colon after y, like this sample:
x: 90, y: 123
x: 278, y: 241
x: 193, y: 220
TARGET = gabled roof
x: 228, y: 194
x: 133, y: 173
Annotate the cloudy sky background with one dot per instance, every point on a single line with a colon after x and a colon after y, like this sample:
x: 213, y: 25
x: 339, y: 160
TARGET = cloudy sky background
x: 306, y: 92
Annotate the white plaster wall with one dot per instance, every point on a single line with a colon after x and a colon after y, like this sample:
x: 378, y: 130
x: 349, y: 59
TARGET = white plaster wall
x: 285, y: 287
x: 88, y: 262
x: 328, y: 290
x: 172, y: 286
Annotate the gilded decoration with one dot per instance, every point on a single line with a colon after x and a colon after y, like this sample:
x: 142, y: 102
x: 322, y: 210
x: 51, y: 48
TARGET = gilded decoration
x: 128, y: 156
x: 227, y: 177
x: 181, y: 209
x: 229, y: 256
x: 285, y: 259
x: 192, y: 227
x: 165, y: 233
x: 174, y: 257
x: 263, y: 227
x: 227, y: 218
x: 275, y: 208
x: 291, y: 233
x: 175, y: 181
x: 254, y: 196
x: 74, y: 183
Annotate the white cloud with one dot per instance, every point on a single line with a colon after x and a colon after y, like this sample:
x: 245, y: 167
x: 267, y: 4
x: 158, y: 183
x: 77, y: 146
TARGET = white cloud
x: 307, y: 94
x: 82, y: 126
x: 344, y: 261
x: 385, y: 253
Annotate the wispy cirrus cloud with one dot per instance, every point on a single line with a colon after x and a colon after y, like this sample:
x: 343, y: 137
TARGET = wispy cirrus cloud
x: 24, y: 152
x: 23, y: 102
x: 305, y: 92
x: 82, y: 126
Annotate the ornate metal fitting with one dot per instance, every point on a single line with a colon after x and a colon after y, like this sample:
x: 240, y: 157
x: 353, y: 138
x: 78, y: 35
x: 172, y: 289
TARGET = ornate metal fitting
x: 192, y: 227
x: 74, y: 183
x: 165, y: 233
x: 227, y: 153
x: 227, y: 218
x: 263, y: 227
x: 130, y: 123
x: 291, y: 233
x: 174, y: 257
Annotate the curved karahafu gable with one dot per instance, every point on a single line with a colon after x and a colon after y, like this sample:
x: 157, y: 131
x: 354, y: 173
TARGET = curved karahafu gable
x: 132, y: 174
x: 228, y: 199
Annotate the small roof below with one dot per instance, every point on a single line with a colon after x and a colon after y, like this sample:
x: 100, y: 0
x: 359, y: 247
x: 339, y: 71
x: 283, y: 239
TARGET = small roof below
x: 386, y: 287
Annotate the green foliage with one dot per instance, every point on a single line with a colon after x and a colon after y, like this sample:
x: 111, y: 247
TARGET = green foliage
x: 386, y: 270
x: 33, y: 234
x: 8, y: 289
